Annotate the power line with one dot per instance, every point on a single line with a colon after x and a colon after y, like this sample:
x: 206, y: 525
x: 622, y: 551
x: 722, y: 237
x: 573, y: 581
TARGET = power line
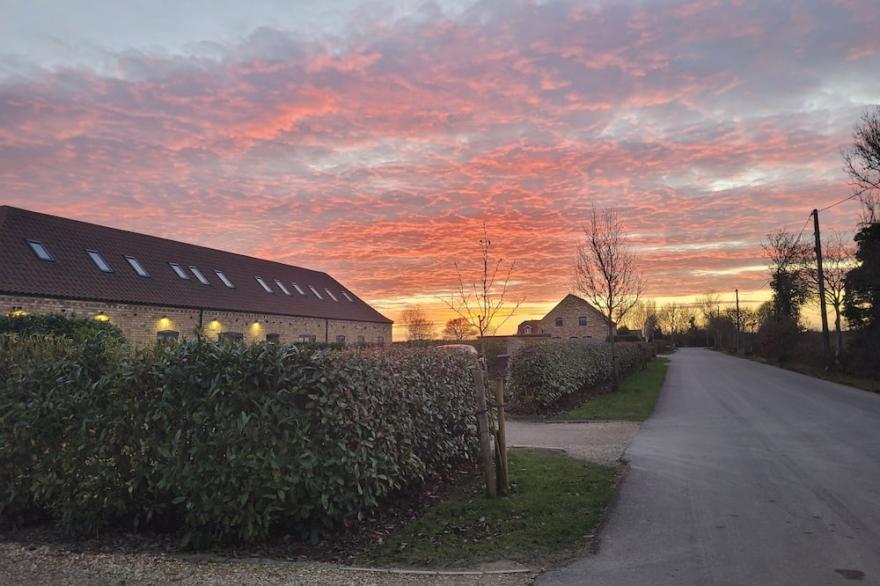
x: 837, y: 203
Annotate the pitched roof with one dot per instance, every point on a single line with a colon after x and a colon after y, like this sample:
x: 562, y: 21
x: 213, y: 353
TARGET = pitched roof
x: 73, y: 274
x: 581, y: 301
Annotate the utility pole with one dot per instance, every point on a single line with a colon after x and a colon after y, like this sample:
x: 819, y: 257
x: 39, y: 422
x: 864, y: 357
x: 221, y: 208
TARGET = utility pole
x: 826, y: 338
x: 738, y: 322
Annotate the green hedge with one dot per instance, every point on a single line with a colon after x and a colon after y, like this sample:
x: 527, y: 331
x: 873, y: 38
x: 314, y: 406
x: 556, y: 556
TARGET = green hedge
x: 541, y: 374
x: 222, y: 442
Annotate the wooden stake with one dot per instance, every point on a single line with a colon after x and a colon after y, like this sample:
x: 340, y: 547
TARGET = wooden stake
x: 483, y: 424
x: 501, y: 440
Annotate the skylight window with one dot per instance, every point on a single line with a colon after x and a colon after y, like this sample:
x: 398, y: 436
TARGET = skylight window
x: 201, y: 277
x: 330, y: 293
x: 282, y: 287
x: 298, y: 289
x: 99, y: 261
x: 137, y: 266
x: 225, y: 280
x: 347, y: 296
x: 315, y: 291
x: 179, y: 270
x: 263, y: 284
x: 41, y: 251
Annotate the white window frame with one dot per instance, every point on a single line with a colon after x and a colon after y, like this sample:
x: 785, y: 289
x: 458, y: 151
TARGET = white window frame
x: 136, y: 266
x: 298, y: 289
x: 99, y: 260
x: 264, y: 285
x: 223, y: 278
x: 330, y: 293
x: 282, y: 287
x: 39, y: 249
x: 200, y: 276
x: 315, y: 291
x: 347, y: 296
x: 179, y: 270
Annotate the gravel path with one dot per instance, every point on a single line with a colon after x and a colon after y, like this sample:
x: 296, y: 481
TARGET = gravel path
x: 21, y: 564
x: 602, y: 442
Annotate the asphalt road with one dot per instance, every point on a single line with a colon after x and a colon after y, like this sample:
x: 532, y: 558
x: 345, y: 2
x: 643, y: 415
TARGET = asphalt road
x: 745, y: 474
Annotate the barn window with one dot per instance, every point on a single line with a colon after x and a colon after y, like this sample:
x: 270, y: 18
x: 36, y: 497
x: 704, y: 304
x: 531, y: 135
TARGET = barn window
x: 582, y: 320
x: 167, y: 335
x: 558, y: 322
x: 178, y: 270
x: 137, y: 266
x: 236, y: 336
x: 40, y: 250
x: 222, y: 276
x: 199, y: 275
x: 263, y: 284
x: 99, y: 261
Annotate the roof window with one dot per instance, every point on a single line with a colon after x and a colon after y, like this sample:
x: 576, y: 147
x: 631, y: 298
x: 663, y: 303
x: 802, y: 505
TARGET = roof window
x: 347, y: 296
x: 99, y: 261
x: 179, y: 270
x: 315, y: 291
x: 263, y: 284
x: 199, y: 275
x: 40, y: 250
x: 298, y: 289
x: 330, y: 293
x: 282, y: 287
x: 137, y: 266
x: 224, y: 278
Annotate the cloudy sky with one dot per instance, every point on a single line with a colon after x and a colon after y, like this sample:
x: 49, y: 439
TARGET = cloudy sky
x: 371, y: 139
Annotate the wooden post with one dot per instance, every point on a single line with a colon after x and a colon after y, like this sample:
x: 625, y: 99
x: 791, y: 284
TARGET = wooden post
x: 483, y: 424
x: 501, y: 440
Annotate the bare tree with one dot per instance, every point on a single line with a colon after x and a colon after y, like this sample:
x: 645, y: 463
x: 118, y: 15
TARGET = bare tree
x: 639, y: 316
x: 675, y: 319
x: 788, y: 257
x: 862, y: 164
x: 418, y: 326
x: 710, y: 310
x: 838, y: 257
x: 458, y: 328
x: 483, y: 303
x: 606, y: 272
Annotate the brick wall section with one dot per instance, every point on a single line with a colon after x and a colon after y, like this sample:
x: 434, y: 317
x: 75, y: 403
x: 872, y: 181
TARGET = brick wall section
x: 570, y: 310
x: 141, y: 323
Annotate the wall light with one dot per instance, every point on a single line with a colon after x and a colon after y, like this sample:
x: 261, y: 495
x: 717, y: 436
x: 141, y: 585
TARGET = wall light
x: 102, y: 316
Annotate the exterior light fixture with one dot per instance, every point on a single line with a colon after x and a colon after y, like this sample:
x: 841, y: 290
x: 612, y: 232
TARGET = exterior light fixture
x: 102, y: 316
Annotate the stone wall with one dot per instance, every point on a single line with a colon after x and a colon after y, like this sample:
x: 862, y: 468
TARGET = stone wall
x: 141, y: 324
x: 570, y: 311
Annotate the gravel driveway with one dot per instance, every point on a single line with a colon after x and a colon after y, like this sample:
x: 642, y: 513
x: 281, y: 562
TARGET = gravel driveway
x: 602, y: 442
x: 49, y: 566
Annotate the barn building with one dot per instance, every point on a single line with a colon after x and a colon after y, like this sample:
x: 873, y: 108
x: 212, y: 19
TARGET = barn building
x: 154, y: 288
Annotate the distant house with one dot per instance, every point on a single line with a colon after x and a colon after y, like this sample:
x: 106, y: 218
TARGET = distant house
x: 572, y: 317
x: 154, y: 288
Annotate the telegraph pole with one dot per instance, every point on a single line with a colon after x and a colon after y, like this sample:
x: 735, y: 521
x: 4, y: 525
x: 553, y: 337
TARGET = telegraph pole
x: 738, y: 322
x: 826, y: 338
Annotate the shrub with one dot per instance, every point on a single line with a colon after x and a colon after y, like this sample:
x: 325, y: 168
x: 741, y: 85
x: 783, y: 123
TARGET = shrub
x: 224, y: 442
x: 542, y: 374
x: 76, y: 327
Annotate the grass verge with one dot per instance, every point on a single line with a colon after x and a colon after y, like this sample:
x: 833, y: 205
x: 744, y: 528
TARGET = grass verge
x: 555, y: 503
x: 633, y: 401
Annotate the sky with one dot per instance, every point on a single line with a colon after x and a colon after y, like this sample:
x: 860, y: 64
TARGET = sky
x: 372, y: 140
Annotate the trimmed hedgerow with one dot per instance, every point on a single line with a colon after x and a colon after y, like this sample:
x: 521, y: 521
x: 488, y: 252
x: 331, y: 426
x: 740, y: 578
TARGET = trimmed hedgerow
x: 223, y: 442
x: 542, y: 374
x: 76, y: 327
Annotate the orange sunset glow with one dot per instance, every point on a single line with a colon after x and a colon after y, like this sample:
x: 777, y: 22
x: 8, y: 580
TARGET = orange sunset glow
x: 373, y: 140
